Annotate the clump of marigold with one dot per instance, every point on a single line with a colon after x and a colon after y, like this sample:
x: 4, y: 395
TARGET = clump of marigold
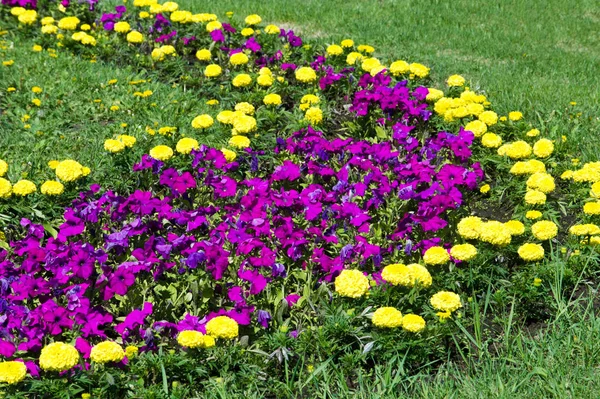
x: 464, y: 252
x: 222, y: 327
x: 58, y: 356
x: 396, y: 274
x: 24, y: 188
x: 186, y: 145
x: 515, y: 227
x: 413, y: 323
x: 195, y: 339
x: 351, y: 284
x: 531, y: 252
x: 52, y: 187
x: 387, y: 317
x: 495, y: 233
x: 544, y: 230
x: 107, y: 352
x: 446, y: 301
x: 69, y: 170
x: 469, y: 227
x: 161, y: 152
x: 306, y: 74
x: 436, y: 256
x: 12, y: 372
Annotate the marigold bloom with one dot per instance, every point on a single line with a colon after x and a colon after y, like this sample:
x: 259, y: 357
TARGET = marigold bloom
x: 515, y: 115
x: 228, y: 154
x: 351, y: 283
x: 253, y: 19
x: 12, y: 372
x: 543, y: 148
x: 186, y: 145
x: 135, y: 37
x: 58, y: 356
x: 334, y: 50
x: 107, y: 352
x: 114, y: 146
x: 5, y: 188
x: 464, y: 252
x: 203, y: 55
x: 419, y: 275
x: 495, y: 233
x: 203, y: 121
x: 396, y: 274
x: 419, y: 70
x: 314, y: 115
x: 242, y: 80
x: 272, y: 99
x: 52, y: 187
x: 531, y: 252
x: 515, y: 227
x: 592, y: 208
x: 413, y: 323
x: 387, y: 317
x: 222, y: 327
x: 469, y: 227
x: 489, y: 117
x: 195, y: 339
x: 161, y: 152
x: 436, y: 256
x: 477, y: 127
x: 446, y: 301
x: 24, y: 188
x: 3, y: 167
x: 455, y: 81
x: 238, y: 59
x: 239, y: 141
x: 544, y: 230
x: 306, y: 74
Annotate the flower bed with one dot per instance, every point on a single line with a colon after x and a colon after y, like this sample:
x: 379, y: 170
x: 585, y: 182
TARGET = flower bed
x: 344, y: 181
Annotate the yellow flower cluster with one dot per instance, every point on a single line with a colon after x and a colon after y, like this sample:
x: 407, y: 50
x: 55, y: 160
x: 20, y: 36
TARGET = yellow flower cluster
x: 351, y: 284
x: 544, y: 230
x: 531, y: 252
x: 222, y: 327
x: 186, y: 145
x: 107, y: 352
x: 387, y: 317
x: 161, y: 152
x: 464, y: 252
x: 195, y: 339
x: 58, y: 356
x: 399, y: 274
x: 436, y: 256
x: 12, y: 372
x: 446, y: 301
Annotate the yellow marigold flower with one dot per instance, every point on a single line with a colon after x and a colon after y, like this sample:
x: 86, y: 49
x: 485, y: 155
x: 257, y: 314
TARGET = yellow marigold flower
x: 347, y: 43
x: 239, y: 141
x: 515, y: 150
x: 443, y: 316
x: 68, y: 23
x: 242, y: 80
x: 226, y: 116
x: 515, y: 115
x: 135, y: 37
x: 436, y: 256
x: 228, y: 154
x: 213, y: 25
x: 531, y: 252
x: 352, y: 57
x: 314, y: 115
x: 396, y: 274
x: 464, y: 252
x: 170, y: 6
x: 238, y: 59
x: 202, y: 122
x: 485, y: 189
x: 544, y: 230
x: 305, y: 74
x: 49, y: 30
x: 28, y: 17
x: 247, y: 32
x: 446, y: 301
x: 543, y: 148
x: 131, y: 351
x: 419, y: 70
x: 58, y: 356
x: 245, y: 107
x: 584, y: 230
x: 243, y: 124
x: 455, y: 81
x: 495, y: 233
x: 477, y: 127
x: 3, y: 167
x: 5, y: 188
x: 369, y: 64
x: 489, y: 117
x: 535, y: 197
x: 566, y: 175
x: 592, y: 208
x: 469, y: 227
x: 186, y: 145
x: 376, y: 70
x: 107, y: 352
x: 203, y: 55
x: 114, y: 146
x: 222, y: 327
x: 334, y: 50
x: 413, y: 323
x: 351, y: 283
x: 475, y: 109
x: 181, y: 16
x: 161, y: 152
x: 533, y: 215
x: 491, y: 140
x: 69, y: 170
x: 387, y: 317
x: 12, y: 372
x: 515, y: 227
x: 52, y: 187
x: 272, y: 99
x: 24, y: 187
x: 533, y: 133
x: 528, y: 167
x: 432, y: 94
x: 307, y: 100
x: 212, y: 102
x: 365, y: 48
x: 47, y: 21
x: 8, y: 63
x: 195, y: 339
x: 129, y: 141
x: 542, y: 182
x: 11, y: 89
x: 212, y: 71
x: 253, y: 19
x: 419, y: 275
x: 264, y: 80
x: 272, y: 30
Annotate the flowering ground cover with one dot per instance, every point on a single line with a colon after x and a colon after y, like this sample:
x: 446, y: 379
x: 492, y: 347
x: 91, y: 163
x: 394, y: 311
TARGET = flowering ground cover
x: 232, y: 204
